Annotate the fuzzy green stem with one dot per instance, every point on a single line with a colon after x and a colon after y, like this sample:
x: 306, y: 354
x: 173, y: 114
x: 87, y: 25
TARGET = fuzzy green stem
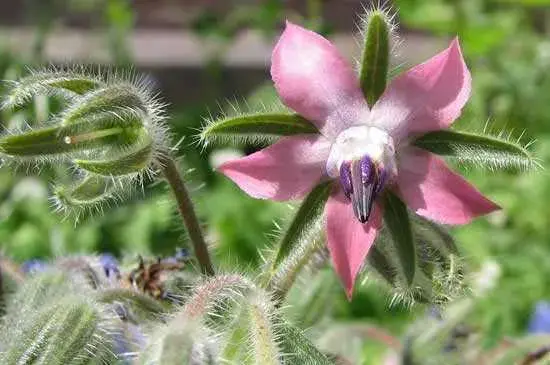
x: 187, y: 212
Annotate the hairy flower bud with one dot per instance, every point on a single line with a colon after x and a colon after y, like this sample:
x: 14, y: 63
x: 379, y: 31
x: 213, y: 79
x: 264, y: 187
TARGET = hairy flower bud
x: 110, y: 129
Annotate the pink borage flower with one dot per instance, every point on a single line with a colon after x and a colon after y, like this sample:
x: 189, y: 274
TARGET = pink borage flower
x: 365, y: 149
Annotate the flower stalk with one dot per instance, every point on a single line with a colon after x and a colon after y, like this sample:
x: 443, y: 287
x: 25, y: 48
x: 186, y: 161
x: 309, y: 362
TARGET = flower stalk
x: 188, y: 215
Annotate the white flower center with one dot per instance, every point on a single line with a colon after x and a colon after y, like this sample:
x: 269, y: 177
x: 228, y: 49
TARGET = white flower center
x: 357, y: 142
x: 362, y: 158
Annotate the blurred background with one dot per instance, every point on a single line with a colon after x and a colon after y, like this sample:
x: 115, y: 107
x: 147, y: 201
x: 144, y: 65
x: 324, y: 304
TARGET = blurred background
x: 203, y: 54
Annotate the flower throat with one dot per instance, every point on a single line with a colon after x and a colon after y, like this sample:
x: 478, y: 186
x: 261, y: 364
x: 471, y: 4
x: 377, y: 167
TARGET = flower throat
x: 362, y: 158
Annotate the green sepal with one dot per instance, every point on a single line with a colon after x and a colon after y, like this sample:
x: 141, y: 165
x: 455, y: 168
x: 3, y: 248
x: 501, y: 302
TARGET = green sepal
x: 311, y: 209
x: 114, y: 99
x: 95, y: 131
x: 243, y: 128
x: 44, y: 82
x: 378, y: 260
x: 480, y: 150
x: 90, y: 191
x: 132, y: 159
x: 434, y: 235
x: 56, y: 140
x: 78, y: 85
x: 376, y: 56
x: 396, y: 219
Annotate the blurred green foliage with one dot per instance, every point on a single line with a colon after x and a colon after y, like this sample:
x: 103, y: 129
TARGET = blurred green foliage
x: 507, y: 46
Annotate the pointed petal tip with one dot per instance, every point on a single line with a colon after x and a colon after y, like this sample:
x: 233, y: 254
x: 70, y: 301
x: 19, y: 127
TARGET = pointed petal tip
x: 292, y: 28
x: 289, y: 24
x: 456, y: 47
x: 428, y: 97
x: 349, y: 292
x: 348, y: 240
x: 485, y: 207
x: 434, y: 191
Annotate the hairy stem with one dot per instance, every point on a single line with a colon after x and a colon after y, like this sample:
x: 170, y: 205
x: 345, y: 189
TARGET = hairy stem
x: 187, y: 212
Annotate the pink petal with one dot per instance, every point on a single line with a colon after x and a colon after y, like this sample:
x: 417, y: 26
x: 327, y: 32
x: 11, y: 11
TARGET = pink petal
x: 349, y: 241
x: 431, y: 189
x: 428, y: 97
x: 313, y: 79
x: 286, y: 170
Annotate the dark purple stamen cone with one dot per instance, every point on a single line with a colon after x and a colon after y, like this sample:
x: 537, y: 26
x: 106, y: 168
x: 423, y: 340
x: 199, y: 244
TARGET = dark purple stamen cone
x: 362, y: 180
x: 367, y: 170
x: 345, y: 178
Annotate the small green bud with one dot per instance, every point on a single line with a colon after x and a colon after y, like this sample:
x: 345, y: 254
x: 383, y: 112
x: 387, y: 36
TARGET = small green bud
x: 54, y: 320
x: 89, y: 190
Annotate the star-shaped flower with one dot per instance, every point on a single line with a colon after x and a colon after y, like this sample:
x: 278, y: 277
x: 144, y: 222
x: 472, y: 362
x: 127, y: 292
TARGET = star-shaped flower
x: 367, y: 150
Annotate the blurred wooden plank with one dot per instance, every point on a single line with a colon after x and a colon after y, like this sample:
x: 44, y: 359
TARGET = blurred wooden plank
x: 176, y: 60
x: 172, y: 48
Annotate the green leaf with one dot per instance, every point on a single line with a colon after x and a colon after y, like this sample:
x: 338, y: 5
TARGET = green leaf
x: 131, y: 160
x: 376, y: 56
x: 311, y: 209
x: 481, y: 150
x: 397, y: 221
x: 254, y: 126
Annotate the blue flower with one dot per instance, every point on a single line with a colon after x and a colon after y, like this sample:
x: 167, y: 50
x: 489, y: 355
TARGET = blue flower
x: 34, y: 266
x: 109, y: 264
x: 540, y: 318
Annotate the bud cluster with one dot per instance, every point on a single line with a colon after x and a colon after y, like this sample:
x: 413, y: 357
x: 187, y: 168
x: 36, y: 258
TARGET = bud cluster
x: 110, y: 130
